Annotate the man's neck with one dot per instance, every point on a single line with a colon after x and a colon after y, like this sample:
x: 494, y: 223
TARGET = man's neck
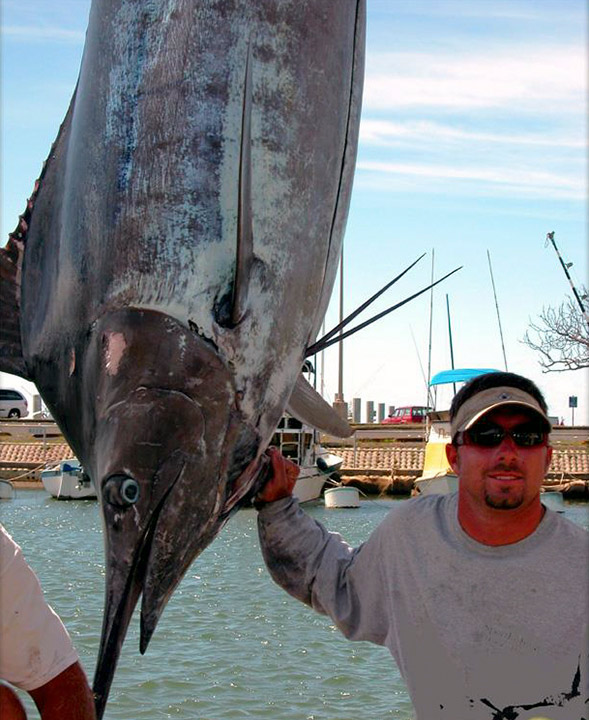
x: 491, y: 526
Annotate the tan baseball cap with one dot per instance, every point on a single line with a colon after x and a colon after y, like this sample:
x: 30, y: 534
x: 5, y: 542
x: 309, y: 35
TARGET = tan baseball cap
x: 473, y: 409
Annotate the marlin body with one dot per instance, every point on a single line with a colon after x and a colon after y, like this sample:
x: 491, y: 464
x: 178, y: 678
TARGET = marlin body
x: 176, y: 260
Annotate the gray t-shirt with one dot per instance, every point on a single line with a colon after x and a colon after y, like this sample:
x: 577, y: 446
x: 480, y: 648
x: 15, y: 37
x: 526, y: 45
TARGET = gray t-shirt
x: 478, y: 632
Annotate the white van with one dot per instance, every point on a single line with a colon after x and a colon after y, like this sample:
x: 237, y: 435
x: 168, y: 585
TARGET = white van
x: 13, y: 404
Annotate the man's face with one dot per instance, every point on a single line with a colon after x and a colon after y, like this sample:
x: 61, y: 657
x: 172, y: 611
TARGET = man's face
x: 504, y: 477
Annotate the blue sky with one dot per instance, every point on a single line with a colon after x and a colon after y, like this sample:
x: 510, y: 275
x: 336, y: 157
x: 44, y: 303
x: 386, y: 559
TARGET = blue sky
x: 473, y: 138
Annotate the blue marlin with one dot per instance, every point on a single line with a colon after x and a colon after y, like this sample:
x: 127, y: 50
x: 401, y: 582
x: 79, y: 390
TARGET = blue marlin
x: 175, y: 262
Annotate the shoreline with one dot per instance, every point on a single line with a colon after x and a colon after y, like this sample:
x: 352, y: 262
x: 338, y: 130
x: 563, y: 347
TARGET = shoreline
x: 385, y: 486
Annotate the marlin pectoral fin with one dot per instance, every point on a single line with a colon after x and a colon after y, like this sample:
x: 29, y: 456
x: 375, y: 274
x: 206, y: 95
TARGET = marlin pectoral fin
x: 11, y: 355
x: 307, y: 405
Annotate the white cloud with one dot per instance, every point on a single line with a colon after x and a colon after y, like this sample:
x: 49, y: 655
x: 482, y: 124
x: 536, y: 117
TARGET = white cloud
x: 34, y: 32
x: 384, y: 132
x: 486, y: 180
x: 516, y: 78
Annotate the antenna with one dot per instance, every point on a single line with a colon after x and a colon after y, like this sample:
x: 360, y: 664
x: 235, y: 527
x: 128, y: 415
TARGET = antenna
x: 497, y: 308
x: 565, y: 267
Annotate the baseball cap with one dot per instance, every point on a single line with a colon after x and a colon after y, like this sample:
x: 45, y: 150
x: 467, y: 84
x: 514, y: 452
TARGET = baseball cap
x: 473, y: 409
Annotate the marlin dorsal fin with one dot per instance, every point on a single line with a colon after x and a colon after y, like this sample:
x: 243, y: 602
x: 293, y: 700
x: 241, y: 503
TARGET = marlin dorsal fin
x: 245, y: 241
x: 11, y: 257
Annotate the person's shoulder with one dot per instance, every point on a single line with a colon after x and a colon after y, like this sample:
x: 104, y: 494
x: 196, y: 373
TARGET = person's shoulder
x: 567, y: 529
x: 421, y: 509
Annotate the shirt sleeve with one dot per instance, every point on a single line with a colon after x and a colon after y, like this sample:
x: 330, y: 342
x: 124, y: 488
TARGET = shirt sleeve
x: 320, y: 569
x: 34, y: 645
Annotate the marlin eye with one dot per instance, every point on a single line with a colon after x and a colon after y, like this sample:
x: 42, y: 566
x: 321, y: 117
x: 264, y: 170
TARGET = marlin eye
x: 121, y: 490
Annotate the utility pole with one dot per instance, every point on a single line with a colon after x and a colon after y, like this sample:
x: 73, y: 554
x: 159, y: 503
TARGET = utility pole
x: 338, y: 404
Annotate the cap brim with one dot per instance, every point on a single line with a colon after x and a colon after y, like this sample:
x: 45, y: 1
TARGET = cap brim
x: 545, y: 421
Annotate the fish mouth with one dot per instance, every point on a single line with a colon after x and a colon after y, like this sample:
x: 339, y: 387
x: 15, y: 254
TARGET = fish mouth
x: 151, y: 563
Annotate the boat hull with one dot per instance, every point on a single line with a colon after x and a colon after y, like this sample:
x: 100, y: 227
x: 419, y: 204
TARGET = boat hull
x: 436, y: 485
x: 67, y: 482
x: 6, y: 490
x: 308, y: 486
x: 342, y: 497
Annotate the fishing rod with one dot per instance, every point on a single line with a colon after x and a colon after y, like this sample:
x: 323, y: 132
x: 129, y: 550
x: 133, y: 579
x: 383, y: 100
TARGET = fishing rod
x: 565, y: 267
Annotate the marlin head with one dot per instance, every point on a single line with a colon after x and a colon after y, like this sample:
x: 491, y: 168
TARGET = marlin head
x: 165, y: 491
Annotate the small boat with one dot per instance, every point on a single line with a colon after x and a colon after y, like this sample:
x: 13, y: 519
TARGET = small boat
x: 342, y: 496
x: 7, y: 491
x: 68, y: 481
x: 299, y: 443
x: 437, y: 477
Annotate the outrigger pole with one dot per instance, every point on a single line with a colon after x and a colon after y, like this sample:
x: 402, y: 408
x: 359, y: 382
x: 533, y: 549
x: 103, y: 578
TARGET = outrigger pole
x: 565, y: 267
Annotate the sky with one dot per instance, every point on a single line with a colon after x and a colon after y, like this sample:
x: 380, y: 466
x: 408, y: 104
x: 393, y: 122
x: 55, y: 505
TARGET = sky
x: 473, y: 146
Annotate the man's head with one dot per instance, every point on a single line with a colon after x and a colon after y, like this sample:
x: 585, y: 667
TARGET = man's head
x: 492, y: 390
x: 499, y: 445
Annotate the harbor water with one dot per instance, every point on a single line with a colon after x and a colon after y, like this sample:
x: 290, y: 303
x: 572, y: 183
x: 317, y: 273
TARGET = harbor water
x: 230, y: 643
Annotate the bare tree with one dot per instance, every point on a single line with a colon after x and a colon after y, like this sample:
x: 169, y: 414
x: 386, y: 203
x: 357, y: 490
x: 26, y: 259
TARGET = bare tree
x: 561, y: 337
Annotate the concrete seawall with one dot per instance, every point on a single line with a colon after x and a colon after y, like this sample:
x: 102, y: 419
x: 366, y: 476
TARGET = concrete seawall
x: 392, y: 471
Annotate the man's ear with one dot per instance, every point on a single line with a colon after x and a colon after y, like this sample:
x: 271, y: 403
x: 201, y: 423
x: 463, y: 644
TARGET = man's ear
x: 548, y: 458
x: 452, y: 457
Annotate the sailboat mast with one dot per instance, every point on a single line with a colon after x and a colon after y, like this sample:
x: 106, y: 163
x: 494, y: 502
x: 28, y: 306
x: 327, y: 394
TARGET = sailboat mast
x: 497, y: 309
x: 429, y: 353
x: 450, y: 338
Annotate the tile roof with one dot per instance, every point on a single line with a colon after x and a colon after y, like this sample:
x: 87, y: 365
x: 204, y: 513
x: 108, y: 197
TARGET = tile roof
x: 565, y: 461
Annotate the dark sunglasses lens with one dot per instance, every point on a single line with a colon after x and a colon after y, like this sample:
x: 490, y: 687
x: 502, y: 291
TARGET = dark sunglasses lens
x: 527, y: 438
x: 493, y: 436
x: 486, y: 437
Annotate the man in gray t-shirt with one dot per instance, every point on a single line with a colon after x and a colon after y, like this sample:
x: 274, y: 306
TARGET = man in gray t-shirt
x: 481, y: 596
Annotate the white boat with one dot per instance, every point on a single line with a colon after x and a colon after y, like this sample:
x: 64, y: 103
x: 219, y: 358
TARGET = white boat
x: 299, y: 443
x: 342, y: 496
x: 437, y: 477
x: 7, y: 491
x: 68, y: 481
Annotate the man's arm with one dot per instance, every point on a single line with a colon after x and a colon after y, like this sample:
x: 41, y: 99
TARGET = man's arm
x: 67, y: 697
x: 316, y: 566
x: 11, y: 707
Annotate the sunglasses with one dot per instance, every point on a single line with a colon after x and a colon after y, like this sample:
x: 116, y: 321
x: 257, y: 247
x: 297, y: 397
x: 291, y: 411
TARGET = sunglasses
x: 489, y: 436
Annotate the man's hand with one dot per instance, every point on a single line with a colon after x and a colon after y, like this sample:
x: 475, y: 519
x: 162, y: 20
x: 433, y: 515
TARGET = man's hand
x: 282, y: 477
